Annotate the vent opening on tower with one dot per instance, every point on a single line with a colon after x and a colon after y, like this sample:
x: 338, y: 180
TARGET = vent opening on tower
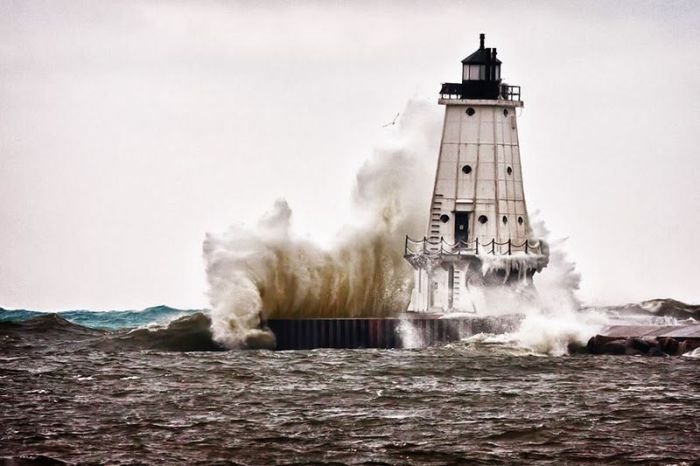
x: 471, y: 111
x: 520, y: 220
x: 444, y: 218
x: 509, y: 171
x: 483, y: 219
x: 505, y: 219
x: 467, y: 169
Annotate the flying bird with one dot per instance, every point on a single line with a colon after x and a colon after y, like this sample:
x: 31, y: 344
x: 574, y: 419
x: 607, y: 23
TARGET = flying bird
x: 393, y: 122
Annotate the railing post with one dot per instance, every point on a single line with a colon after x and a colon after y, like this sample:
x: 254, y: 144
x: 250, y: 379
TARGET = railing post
x: 510, y: 243
x: 493, y: 246
x: 441, y: 242
x: 405, y: 246
x: 527, y: 243
x: 425, y: 242
x: 477, y: 246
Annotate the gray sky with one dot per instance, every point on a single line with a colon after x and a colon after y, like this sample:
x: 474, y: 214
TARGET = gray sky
x: 129, y: 129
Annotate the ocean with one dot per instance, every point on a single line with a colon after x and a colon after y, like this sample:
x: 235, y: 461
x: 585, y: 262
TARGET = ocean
x: 149, y: 387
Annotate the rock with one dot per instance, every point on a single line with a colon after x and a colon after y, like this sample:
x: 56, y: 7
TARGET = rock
x: 691, y: 345
x: 633, y: 346
x: 614, y: 347
x: 640, y: 344
x: 575, y: 347
x: 596, y: 343
x: 668, y: 345
x: 686, y: 346
x: 656, y: 352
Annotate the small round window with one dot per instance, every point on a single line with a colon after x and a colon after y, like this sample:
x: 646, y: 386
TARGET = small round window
x: 444, y: 218
x: 505, y: 219
x: 483, y: 219
x: 520, y: 220
x: 467, y: 169
x: 471, y: 111
x: 509, y: 171
x: 505, y: 112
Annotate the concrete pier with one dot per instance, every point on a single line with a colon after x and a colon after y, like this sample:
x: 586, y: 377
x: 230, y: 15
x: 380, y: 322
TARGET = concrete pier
x: 293, y: 334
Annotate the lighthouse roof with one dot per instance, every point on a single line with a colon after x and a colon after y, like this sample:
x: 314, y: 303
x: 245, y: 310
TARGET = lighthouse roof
x: 480, y: 57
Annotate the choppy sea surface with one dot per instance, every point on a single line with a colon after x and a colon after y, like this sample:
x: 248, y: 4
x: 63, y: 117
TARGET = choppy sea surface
x: 74, y: 394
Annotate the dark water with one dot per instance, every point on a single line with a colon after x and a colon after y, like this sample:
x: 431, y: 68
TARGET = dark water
x: 86, y: 396
x: 110, y: 320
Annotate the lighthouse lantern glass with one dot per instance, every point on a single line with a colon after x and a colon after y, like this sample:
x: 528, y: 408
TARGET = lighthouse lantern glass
x: 474, y: 72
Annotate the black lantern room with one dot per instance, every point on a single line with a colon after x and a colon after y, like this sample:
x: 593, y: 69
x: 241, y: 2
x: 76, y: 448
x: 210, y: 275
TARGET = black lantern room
x: 481, y: 73
x: 481, y: 78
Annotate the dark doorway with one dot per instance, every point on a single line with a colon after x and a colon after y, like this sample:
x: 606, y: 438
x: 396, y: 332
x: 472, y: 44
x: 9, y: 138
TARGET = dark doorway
x: 461, y: 226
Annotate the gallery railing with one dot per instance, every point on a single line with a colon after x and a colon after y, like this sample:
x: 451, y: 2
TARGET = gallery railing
x: 436, y: 248
x: 451, y: 91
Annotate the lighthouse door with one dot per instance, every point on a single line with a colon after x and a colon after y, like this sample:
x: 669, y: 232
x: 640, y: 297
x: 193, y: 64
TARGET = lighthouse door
x: 461, y: 227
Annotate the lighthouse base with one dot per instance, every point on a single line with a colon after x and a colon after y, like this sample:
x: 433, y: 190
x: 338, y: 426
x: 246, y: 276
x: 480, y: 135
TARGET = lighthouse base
x: 447, y: 276
x: 448, y: 285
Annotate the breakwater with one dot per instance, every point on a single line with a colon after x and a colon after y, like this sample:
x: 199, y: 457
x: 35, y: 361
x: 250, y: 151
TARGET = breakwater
x: 405, y: 331
x: 646, y: 340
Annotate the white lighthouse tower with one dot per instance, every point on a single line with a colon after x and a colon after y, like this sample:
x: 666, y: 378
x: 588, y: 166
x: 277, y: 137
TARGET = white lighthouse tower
x: 478, y: 233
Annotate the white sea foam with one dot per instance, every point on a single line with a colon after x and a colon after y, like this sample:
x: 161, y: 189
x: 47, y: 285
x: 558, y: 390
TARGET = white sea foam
x: 695, y: 354
x: 553, y: 315
x: 409, y: 334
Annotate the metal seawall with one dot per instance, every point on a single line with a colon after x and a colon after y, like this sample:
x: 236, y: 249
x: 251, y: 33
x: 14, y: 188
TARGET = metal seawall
x: 293, y: 334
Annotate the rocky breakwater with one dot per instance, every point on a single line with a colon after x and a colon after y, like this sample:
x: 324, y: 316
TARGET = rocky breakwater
x: 646, y: 340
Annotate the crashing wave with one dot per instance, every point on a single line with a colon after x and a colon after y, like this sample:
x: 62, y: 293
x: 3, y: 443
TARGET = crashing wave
x: 267, y: 272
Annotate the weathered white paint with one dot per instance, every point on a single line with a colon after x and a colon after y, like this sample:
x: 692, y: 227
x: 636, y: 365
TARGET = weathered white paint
x: 488, y: 142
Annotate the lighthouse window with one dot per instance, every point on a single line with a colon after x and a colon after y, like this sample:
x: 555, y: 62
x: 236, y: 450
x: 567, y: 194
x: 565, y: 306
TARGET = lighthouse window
x: 483, y: 219
x: 520, y: 220
x: 505, y: 112
x: 509, y: 171
x: 474, y: 72
x: 471, y: 111
x: 467, y: 169
x: 444, y: 218
x: 505, y: 219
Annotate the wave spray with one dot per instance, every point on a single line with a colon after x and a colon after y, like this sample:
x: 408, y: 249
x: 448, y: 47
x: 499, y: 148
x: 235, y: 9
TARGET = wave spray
x: 267, y: 272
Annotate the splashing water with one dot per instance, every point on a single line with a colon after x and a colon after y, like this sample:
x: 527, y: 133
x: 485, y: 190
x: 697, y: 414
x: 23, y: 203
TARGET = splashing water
x: 553, y: 316
x: 410, y: 336
x: 695, y: 354
x: 556, y: 317
x: 267, y: 272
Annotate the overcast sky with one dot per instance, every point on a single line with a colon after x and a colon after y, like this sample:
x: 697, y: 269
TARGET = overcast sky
x: 129, y: 129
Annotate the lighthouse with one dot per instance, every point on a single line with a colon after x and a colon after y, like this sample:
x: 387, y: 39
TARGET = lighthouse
x: 478, y: 232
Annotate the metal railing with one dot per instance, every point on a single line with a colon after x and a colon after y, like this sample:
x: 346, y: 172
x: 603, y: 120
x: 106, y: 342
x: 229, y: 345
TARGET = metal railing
x: 451, y: 91
x: 426, y: 247
x: 510, y: 92
x: 454, y: 91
